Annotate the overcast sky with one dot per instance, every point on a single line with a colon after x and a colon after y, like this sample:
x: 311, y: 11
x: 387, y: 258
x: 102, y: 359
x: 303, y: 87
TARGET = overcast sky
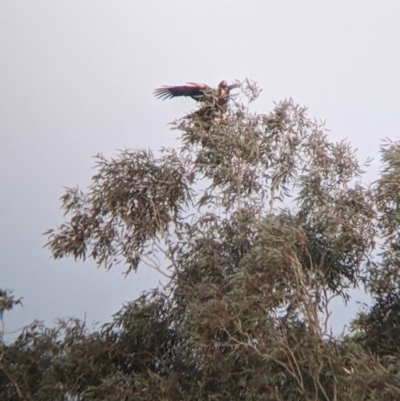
x: 76, y: 79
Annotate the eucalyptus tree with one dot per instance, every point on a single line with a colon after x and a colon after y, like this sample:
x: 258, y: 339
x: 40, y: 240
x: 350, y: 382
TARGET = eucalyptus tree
x: 257, y: 221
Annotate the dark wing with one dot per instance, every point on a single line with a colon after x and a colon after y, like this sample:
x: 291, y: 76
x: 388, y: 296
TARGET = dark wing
x: 196, y: 91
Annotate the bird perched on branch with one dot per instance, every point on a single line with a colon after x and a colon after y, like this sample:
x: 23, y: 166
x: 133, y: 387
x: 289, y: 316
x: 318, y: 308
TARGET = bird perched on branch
x: 217, y: 97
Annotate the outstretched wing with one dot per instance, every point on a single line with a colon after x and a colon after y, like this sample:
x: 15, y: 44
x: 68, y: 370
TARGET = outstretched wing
x: 194, y: 90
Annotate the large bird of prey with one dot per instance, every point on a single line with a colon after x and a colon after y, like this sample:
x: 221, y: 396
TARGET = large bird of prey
x: 199, y: 92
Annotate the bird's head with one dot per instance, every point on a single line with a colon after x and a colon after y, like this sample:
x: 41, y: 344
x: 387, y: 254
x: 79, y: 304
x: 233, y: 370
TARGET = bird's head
x: 223, y: 84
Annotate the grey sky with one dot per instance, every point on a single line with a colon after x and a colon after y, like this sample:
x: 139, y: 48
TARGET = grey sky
x: 76, y: 78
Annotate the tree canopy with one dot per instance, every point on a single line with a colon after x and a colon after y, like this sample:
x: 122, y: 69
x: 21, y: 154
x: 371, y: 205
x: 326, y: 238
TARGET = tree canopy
x: 258, y: 221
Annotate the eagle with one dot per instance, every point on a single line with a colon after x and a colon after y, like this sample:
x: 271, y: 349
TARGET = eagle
x: 217, y: 97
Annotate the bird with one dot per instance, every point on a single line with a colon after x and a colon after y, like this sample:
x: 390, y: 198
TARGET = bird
x: 218, y: 97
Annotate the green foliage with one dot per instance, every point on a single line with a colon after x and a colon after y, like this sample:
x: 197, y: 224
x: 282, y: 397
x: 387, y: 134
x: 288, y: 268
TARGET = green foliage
x: 262, y: 222
x: 7, y: 300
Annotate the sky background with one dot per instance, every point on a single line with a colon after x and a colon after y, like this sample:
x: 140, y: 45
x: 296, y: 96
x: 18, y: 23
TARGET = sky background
x: 76, y: 79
